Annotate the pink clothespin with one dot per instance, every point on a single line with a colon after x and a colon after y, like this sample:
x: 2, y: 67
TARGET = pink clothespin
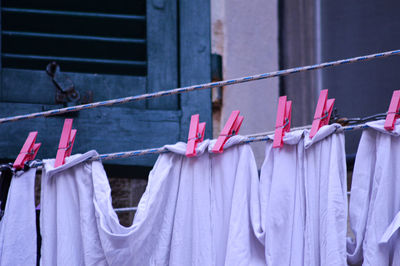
x: 392, y: 114
x: 322, y: 113
x: 283, y: 118
x: 28, y: 151
x: 196, y: 135
x: 66, y: 142
x: 231, y: 128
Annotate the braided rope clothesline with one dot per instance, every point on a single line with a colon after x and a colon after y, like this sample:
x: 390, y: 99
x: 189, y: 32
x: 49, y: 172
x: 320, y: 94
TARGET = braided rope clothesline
x: 198, y: 87
x: 250, y: 138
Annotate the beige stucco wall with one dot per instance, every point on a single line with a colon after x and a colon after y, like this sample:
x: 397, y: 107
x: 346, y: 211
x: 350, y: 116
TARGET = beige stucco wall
x: 245, y: 33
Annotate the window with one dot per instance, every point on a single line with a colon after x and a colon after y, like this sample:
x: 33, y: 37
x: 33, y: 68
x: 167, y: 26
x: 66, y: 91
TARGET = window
x: 106, y: 49
x: 106, y: 37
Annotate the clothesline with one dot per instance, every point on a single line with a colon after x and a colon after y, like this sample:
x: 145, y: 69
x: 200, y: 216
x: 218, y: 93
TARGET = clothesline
x: 250, y: 138
x: 264, y: 136
x: 198, y: 87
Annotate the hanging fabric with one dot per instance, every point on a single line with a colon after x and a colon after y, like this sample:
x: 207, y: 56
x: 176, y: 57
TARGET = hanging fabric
x: 67, y: 218
x: 18, y: 226
x: 5, y: 181
x: 303, y: 200
x: 195, y: 211
x: 375, y: 198
x: 234, y: 186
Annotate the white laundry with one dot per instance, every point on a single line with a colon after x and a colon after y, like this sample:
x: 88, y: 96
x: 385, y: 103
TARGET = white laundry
x: 282, y: 202
x: 18, y: 226
x: 67, y: 217
x: 303, y: 200
x: 375, y: 198
x: 195, y: 211
x: 172, y: 224
x: 235, y: 212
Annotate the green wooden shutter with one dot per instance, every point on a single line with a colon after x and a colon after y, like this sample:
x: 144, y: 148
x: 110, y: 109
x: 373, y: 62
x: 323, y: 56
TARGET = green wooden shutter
x: 109, y: 49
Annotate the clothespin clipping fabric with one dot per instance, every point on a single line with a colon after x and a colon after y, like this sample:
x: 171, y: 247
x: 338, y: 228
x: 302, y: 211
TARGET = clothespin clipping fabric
x: 322, y: 113
x: 283, y: 117
x: 66, y: 142
x: 230, y: 129
x: 196, y: 135
x: 28, y: 151
x: 393, y: 112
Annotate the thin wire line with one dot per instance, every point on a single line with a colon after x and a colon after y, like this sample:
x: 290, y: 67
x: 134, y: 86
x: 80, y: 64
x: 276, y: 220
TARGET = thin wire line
x: 126, y: 209
x: 198, y: 87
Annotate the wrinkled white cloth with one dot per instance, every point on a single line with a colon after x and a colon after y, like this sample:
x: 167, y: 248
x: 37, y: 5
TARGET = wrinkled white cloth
x: 18, y: 226
x: 234, y: 186
x: 303, y: 200
x: 375, y: 198
x: 195, y: 211
x: 67, y: 217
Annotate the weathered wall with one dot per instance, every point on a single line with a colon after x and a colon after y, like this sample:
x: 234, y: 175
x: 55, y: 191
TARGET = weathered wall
x: 245, y: 33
